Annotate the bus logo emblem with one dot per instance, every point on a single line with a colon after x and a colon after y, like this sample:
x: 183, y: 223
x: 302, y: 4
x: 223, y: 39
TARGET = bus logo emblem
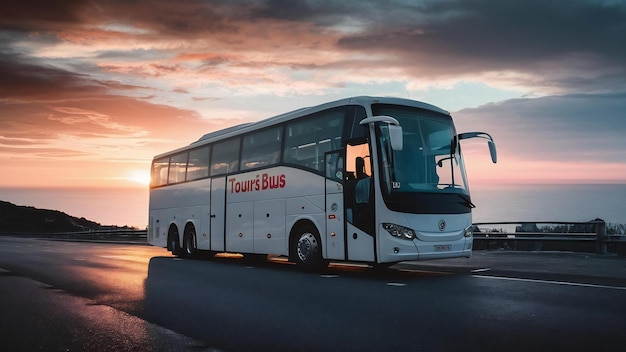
x: 442, y: 225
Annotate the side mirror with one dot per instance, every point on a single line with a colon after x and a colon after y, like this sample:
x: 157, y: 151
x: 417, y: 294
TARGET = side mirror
x: 484, y: 135
x: 492, y: 151
x: 394, y: 128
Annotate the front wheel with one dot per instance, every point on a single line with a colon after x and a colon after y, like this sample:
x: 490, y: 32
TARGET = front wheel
x: 308, y: 249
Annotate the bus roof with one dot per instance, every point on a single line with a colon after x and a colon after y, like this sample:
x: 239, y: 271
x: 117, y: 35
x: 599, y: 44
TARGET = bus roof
x: 251, y: 126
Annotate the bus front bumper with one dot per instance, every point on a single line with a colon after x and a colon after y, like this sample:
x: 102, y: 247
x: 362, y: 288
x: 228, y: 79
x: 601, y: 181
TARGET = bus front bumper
x: 398, y: 250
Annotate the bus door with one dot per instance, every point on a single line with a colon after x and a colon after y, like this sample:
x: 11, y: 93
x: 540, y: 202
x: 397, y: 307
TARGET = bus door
x: 335, y: 221
x: 359, y: 201
x: 216, y: 213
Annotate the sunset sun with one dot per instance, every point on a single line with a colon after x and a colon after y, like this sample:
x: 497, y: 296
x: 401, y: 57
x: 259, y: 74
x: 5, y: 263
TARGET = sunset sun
x: 140, y: 177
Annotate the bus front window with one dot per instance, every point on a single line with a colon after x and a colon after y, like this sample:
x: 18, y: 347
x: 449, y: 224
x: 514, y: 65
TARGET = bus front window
x: 430, y: 162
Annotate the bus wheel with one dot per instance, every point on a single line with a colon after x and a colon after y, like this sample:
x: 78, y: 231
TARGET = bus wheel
x: 172, y: 240
x: 189, y: 243
x: 308, y: 250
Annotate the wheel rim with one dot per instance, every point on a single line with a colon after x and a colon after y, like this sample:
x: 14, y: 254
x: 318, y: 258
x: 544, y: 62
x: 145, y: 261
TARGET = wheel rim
x: 307, y: 247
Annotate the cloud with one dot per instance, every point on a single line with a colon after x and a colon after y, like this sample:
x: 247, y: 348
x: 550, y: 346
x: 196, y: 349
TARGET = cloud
x: 571, y: 127
x: 27, y: 15
x: 119, y: 80
x: 244, y: 46
x: 556, y: 45
x: 45, y: 153
x: 25, y: 80
x: 47, y: 112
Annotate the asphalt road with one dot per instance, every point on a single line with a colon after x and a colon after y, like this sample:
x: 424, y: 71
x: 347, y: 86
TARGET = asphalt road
x: 77, y: 296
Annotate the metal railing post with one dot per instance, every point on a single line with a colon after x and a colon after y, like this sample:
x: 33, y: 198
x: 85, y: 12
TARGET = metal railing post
x: 600, y: 236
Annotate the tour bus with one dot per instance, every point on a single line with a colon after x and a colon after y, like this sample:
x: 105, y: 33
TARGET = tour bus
x: 365, y: 179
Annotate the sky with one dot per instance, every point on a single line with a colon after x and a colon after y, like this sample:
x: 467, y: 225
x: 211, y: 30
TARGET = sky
x: 90, y: 91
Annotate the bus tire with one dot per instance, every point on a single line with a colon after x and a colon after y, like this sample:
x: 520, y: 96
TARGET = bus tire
x: 173, y: 243
x: 307, y: 248
x: 190, y: 243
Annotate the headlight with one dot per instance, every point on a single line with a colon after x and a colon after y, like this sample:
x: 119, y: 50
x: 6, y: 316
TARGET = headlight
x: 399, y: 231
x: 468, y: 232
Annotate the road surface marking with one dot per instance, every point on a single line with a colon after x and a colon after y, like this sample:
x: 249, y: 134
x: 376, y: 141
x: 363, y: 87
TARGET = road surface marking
x: 425, y: 272
x: 396, y: 284
x: 566, y: 283
x: 480, y: 270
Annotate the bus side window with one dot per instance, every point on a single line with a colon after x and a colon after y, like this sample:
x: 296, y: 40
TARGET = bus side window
x: 308, y: 139
x: 225, y: 157
x: 356, y: 129
x: 198, y: 165
x: 334, y: 166
x: 178, y: 168
x: 261, y: 149
x: 159, y: 172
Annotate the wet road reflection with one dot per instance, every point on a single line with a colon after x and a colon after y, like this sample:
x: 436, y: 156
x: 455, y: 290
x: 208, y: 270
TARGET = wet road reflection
x: 233, y: 304
x: 56, y: 316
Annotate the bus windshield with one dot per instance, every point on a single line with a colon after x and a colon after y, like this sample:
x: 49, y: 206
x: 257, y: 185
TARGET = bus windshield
x: 430, y: 160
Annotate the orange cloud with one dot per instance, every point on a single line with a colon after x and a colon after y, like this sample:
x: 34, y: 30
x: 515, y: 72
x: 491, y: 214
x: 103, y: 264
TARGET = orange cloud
x: 117, y: 82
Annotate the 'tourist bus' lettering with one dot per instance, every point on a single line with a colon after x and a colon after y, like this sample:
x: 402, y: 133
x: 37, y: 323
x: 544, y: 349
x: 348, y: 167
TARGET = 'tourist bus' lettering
x: 259, y: 183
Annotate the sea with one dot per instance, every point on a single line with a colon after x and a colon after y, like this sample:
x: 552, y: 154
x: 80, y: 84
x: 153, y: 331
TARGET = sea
x: 545, y: 203
x: 107, y: 206
x: 494, y: 203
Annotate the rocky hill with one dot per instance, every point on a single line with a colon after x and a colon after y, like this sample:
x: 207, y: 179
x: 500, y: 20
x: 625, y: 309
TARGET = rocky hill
x: 23, y: 219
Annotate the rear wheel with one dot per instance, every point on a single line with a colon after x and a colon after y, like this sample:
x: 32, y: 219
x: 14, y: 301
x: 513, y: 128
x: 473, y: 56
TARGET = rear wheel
x: 190, y: 243
x: 307, y: 248
x: 172, y: 241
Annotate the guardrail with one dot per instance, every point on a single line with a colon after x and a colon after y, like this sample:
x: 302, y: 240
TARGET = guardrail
x: 128, y: 235
x: 588, y: 236
x: 510, y: 235
x: 112, y: 235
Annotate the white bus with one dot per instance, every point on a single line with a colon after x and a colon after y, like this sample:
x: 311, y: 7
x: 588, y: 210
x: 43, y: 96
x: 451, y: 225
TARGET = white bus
x: 364, y: 179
